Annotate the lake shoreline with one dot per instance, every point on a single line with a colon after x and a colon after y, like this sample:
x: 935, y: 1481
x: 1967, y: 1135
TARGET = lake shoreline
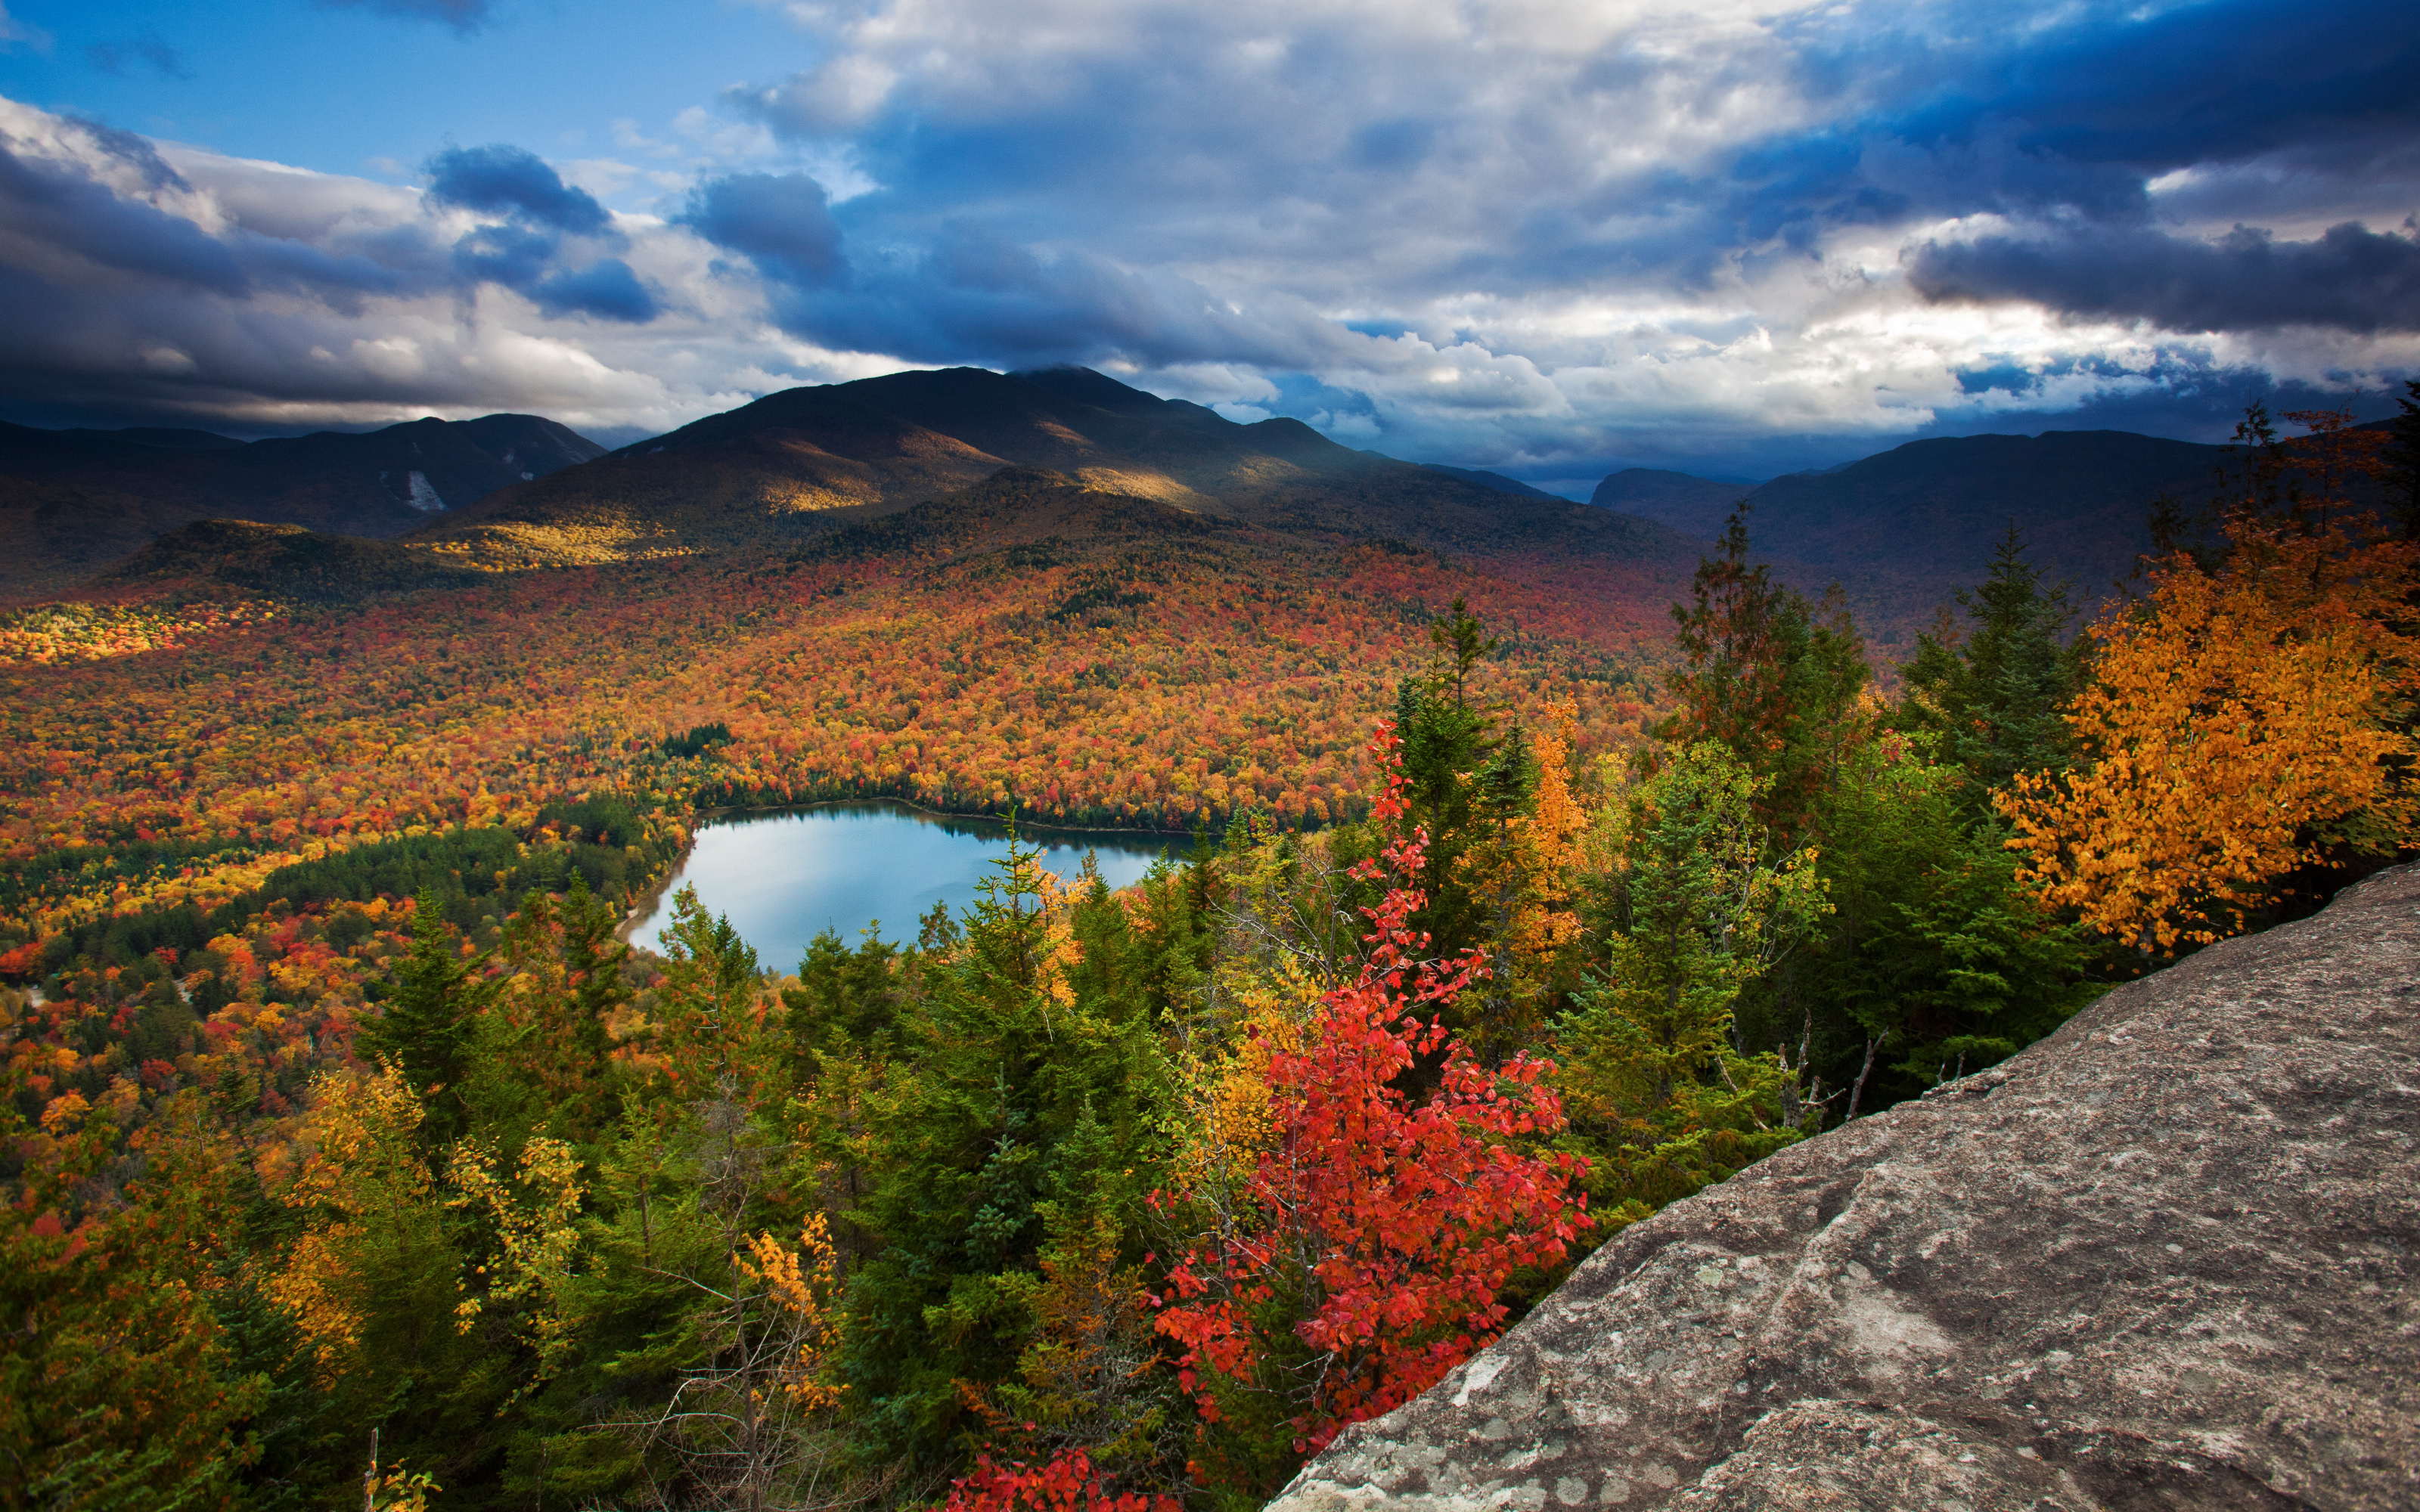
x: 938, y: 813
x: 648, y: 904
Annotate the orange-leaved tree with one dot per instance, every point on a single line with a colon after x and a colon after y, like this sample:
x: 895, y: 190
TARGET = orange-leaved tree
x: 2249, y: 716
x: 1365, y: 1254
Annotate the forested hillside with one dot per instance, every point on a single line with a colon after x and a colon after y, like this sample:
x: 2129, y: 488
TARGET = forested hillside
x: 1547, y: 879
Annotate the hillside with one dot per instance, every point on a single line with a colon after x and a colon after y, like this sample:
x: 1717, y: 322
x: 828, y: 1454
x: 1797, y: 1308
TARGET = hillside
x: 1692, y: 504
x: 221, y: 558
x: 1901, y: 530
x: 73, y: 501
x: 797, y: 463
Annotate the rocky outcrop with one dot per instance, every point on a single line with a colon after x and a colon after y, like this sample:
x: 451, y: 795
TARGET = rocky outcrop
x: 2160, y: 1259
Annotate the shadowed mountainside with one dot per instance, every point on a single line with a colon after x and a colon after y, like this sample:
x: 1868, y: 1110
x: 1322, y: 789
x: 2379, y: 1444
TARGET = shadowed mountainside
x: 795, y: 464
x: 221, y: 558
x: 1902, y: 529
x: 73, y: 501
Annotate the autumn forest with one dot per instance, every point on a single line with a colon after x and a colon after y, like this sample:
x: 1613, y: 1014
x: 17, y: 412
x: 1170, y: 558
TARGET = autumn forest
x: 1530, y: 868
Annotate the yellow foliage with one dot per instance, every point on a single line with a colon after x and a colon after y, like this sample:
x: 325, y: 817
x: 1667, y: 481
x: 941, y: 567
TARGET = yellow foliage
x: 367, y: 1190
x: 800, y: 1284
x: 2240, y: 725
x: 539, y: 1235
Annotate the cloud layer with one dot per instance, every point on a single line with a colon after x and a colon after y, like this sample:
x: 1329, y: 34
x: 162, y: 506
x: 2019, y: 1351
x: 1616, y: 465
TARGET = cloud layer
x: 1532, y: 236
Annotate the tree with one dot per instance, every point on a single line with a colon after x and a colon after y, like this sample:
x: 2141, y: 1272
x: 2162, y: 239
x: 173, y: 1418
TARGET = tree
x: 1366, y: 1250
x: 1767, y: 672
x: 2402, y: 459
x: 2246, y: 719
x: 1446, y: 739
x: 432, y: 1018
x: 1018, y: 1110
x: 1693, y: 904
x: 1997, y: 695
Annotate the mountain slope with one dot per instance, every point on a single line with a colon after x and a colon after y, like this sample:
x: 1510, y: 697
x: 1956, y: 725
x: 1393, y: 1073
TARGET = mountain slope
x: 219, y: 558
x: 1692, y: 504
x: 134, y: 485
x: 794, y: 464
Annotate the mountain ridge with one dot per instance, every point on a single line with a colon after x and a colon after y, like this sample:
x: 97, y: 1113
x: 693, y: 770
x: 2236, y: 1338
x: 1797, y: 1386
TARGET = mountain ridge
x: 73, y: 501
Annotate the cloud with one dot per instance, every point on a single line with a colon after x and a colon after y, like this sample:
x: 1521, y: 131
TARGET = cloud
x: 605, y: 288
x: 782, y: 222
x: 464, y: 16
x: 151, y: 283
x: 118, y: 56
x: 15, y: 34
x: 509, y: 179
x: 1544, y: 238
x: 2351, y: 278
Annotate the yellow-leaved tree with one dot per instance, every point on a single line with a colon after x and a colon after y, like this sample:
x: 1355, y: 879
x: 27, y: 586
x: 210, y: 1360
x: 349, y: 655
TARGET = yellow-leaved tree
x: 2248, y: 716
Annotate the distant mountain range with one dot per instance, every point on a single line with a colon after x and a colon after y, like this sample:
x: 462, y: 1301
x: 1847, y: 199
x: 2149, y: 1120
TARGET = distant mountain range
x: 72, y: 502
x: 795, y: 464
x: 1902, y: 529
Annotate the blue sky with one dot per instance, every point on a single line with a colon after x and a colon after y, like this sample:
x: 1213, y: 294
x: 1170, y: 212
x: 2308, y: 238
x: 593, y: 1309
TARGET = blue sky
x: 1550, y: 238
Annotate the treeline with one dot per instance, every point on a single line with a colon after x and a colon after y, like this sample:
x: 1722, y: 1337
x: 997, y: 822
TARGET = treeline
x: 472, y: 872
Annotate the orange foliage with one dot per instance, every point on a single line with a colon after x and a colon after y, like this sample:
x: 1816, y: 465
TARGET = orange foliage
x: 2241, y: 722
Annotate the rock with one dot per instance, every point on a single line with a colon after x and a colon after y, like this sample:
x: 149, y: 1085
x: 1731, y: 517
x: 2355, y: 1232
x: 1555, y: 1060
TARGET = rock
x: 2160, y: 1259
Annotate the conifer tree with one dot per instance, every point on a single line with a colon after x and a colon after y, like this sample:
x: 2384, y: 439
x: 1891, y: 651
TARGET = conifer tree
x: 1997, y: 696
x: 1768, y: 673
x: 432, y: 1017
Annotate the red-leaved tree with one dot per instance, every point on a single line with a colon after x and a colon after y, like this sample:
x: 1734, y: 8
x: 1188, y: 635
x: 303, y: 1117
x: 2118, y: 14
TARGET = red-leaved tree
x: 1067, y: 1484
x: 1367, y: 1252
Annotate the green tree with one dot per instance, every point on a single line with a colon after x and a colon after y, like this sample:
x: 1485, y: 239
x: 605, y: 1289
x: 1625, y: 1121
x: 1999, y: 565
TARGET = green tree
x: 1700, y: 903
x: 1769, y: 673
x: 430, y: 1018
x: 1018, y: 1122
x: 1997, y: 695
x: 1447, y: 740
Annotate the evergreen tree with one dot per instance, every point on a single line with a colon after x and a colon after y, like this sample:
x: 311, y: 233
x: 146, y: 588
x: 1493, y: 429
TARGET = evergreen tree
x: 1021, y: 1105
x: 430, y: 1018
x: 1769, y: 673
x: 1447, y: 739
x: 1997, y: 697
x: 2403, y: 463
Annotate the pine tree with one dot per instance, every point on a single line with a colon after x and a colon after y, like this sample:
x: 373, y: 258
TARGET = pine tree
x: 1998, y: 698
x: 430, y: 1018
x: 1771, y: 674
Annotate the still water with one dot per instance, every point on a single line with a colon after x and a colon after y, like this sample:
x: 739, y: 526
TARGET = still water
x: 784, y: 877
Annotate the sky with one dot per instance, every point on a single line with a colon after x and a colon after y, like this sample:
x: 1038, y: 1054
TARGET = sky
x: 1553, y: 240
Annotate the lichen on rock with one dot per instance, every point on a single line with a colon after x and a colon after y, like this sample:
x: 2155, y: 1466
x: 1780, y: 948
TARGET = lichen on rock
x: 2160, y: 1259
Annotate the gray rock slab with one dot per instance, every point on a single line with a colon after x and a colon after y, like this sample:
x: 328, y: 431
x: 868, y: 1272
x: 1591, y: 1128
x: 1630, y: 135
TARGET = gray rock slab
x: 2163, y: 1259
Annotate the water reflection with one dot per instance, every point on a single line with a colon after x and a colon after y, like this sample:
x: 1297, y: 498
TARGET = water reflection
x: 787, y: 875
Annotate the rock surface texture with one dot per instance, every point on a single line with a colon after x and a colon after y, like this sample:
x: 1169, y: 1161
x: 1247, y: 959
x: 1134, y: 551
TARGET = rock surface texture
x: 2160, y: 1259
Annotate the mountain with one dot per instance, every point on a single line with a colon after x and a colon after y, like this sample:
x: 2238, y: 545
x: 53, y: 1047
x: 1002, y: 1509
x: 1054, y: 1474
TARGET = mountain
x: 71, y: 501
x: 795, y: 464
x: 1901, y: 530
x: 219, y: 558
x: 1696, y: 506
x: 1496, y: 481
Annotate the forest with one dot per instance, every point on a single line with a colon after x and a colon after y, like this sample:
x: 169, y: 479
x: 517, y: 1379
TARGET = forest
x: 352, y: 1155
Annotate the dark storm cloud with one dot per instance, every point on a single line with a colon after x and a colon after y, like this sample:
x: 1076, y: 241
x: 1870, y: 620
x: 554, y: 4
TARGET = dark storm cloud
x: 500, y: 178
x: 2351, y: 278
x: 782, y: 222
x: 605, y: 288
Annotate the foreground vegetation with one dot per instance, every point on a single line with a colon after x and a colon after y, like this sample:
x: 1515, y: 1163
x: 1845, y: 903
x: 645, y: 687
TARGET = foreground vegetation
x: 389, y: 1159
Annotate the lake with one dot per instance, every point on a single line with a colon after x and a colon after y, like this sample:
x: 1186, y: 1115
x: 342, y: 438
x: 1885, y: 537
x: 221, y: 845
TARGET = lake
x: 786, y: 876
